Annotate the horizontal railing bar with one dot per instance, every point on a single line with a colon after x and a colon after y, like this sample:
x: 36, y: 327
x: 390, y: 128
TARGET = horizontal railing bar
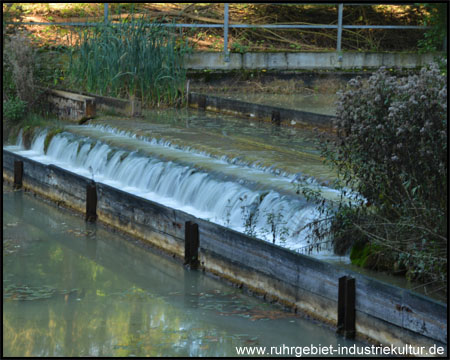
x: 385, y: 27
x: 318, y: 26
x: 55, y: 24
x: 237, y: 26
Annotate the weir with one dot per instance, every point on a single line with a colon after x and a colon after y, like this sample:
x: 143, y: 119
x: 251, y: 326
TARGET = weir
x: 218, y: 213
x: 383, y: 313
x: 215, y: 191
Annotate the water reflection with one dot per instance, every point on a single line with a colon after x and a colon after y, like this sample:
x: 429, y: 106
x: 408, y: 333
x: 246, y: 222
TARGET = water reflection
x: 86, y: 291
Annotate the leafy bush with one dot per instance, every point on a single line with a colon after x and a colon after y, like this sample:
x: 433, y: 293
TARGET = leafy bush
x: 136, y: 59
x: 391, y: 148
x: 392, y: 138
x: 14, y: 109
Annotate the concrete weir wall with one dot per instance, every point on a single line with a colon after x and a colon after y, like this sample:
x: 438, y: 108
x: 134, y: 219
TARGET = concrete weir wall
x: 277, y: 115
x: 304, y: 61
x: 79, y: 107
x: 71, y: 106
x: 385, y: 313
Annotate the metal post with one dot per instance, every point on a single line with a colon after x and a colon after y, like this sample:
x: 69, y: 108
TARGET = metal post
x: 225, y: 33
x: 105, y: 12
x: 91, y: 202
x: 194, y: 246
x: 346, y: 307
x: 349, y: 321
x: 18, y: 174
x: 341, y: 305
x: 191, y: 244
x: 339, y: 34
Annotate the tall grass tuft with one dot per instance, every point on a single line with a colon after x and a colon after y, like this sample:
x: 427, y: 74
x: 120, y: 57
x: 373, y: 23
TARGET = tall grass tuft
x: 133, y: 59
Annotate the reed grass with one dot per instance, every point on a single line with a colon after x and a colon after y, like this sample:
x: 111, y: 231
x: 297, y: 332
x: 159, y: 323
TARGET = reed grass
x: 133, y: 59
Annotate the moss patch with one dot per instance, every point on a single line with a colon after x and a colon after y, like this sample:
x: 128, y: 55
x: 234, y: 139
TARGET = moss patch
x: 372, y: 256
x: 359, y: 253
x: 50, y: 136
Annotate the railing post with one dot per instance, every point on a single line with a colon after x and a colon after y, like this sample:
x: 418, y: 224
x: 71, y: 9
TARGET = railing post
x: 225, y: 33
x: 339, y: 32
x: 105, y: 12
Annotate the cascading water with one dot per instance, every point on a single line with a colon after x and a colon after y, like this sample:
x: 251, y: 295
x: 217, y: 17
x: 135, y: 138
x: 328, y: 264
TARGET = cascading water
x: 257, y: 212
x: 168, y: 144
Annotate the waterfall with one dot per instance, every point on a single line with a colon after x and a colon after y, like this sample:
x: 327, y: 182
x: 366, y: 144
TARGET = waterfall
x: 166, y: 143
x: 206, y: 195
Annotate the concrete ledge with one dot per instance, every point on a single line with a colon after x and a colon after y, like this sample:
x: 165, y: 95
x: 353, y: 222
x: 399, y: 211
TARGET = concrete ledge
x: 212, y: 60
x: 71, y: 106
x: 305, y: 61
x: 81, y: 106
x: 124, y: 107
x: 384, y: 313
x: 288, y: 117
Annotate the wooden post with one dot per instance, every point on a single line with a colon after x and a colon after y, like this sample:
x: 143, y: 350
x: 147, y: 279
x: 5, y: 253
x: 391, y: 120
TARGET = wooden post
x: 276, y: 117
x: 346, y: 307
x: 191, y: 244
x: 18, y: 174
x: 91, y: 202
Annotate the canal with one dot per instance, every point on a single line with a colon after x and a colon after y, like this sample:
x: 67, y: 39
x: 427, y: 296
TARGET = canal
x: 71, y: 288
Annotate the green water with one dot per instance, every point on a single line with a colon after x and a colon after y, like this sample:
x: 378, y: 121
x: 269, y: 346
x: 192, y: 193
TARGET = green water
x: 76, y: 289
x: 315, y: 103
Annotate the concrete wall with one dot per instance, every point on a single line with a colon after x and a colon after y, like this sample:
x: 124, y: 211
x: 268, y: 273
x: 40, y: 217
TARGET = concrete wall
x: 120, y: 106
x: 70, y: 106
x: 304, y: 61
x: 288, y: 117
x: 80, y: 106
x: 384, y: 313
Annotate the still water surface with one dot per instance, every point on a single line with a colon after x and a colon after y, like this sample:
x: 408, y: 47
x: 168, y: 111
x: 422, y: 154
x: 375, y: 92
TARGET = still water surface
x: 77, y: 289
x: 315, y: 103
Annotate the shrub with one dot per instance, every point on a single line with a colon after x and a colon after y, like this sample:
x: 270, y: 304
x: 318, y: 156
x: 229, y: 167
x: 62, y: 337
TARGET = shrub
x: 14, y: 109
x: 392, y: 138
x: 391, y: 148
